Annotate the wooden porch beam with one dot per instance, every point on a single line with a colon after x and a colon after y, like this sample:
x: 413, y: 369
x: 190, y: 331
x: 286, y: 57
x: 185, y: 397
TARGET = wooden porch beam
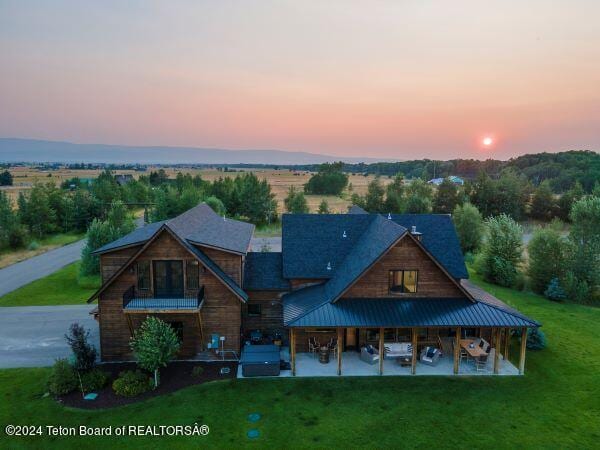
x: 497, y: 344
x: 413, y: 364
x: 293, y: 350
x: 523, y: 348
x: 506, y: 343
x: 456, y: 350
x: 129, y: 324
x: 340, y: 346
x: 381, y: 351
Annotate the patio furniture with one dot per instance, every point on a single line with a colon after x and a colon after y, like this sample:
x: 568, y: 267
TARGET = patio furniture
x: 369, y: 354
x: 324, y: 355
x: 430, y: 356
x: 256, y: 336
x: 404, y: 361
x: 313, y: 346
x: 397, y: 349
x: 333, y: 346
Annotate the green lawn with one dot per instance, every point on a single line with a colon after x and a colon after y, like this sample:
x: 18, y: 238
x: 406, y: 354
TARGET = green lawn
x: 63, y: 287
x: 555, y: 405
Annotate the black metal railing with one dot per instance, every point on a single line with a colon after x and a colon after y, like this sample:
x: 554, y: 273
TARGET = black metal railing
x: 140, y: 296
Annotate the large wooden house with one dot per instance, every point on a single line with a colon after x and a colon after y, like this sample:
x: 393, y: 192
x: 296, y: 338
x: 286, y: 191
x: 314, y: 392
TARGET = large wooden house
x: 358, y: 280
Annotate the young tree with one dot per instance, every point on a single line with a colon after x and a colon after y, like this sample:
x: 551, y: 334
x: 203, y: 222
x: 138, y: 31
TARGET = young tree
x: 394, y: 195
x: 323, y: 207
x: 446, y: 197
x: 374, y: 200
x: 565, y: 202
x: 418, y: 199
x: 548, y: 257
x: 502, y: 251
x: 295, y: 202
x: 35, y: 211
x: 469, y: 226
x: 543, y: 204
x: 84, y: 353
x: 106, y: 190
x: 585, y: 240
x: 255, y: 199
x: 12, y: 233
x: 154, y: 344
x: 216, y: 205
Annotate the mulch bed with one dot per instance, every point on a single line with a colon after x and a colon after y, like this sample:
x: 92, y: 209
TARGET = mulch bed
x: 175, y: 376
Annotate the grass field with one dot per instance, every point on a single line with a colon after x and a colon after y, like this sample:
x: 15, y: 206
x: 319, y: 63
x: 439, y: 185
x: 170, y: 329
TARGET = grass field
x: 63, y: 287
x: 555, y: 405
x: 58, y: 240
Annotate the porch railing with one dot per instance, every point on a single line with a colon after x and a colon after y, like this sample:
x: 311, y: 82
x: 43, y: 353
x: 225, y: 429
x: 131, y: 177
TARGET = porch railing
x: 140, y: 297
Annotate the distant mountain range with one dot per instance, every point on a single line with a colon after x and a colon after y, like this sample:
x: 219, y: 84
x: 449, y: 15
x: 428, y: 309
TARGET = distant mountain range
x: 31, y: 150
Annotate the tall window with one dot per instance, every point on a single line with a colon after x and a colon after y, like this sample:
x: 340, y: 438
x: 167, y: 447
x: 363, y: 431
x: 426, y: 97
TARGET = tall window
x: 192, y: 274
x: 143, y: 275
x: 403, y: 281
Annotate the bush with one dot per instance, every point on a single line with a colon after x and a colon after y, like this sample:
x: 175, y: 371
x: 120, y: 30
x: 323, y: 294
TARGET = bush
x: 33, y: 245
x: 197, y: 371
x: 469, y: 227
x: 501, y: 253
x: 63, y: 378
x: 130, y: 383
x: 536, y: 340
x: 548, y: 257
x: 577, y: 290
x: 83, y: 352
x: 554, y: 291
x: 94, y: 379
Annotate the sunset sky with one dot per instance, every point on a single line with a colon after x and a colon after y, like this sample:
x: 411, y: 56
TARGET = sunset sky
x: 392, y: 79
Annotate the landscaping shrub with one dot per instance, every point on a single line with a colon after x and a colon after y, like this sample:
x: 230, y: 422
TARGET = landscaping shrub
x: 84, y: 353
x: 554, y: 291
x: 33, y: 245
x: 536, y: 340
x: 197, y: 371
x: 94, y: 379
x: 130, y: 383
x: 63, y: 378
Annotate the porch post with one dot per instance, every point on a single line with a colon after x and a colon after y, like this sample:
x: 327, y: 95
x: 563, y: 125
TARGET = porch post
x: 456, y: 350
x: 413, y: 364
x: 293, y: 350
x: 506, y: 343
x: 129, y: 324
x: 340, y: 346
x: 381, y: 351
x: 523, y: 347
x: 497, y: 344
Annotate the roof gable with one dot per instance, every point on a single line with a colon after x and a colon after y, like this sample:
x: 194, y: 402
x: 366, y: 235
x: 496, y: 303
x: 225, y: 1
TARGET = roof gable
x: 263, y: 271
x: 205, y: 260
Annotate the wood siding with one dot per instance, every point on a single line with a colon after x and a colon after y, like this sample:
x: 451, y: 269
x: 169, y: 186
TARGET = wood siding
x: 406, y: 255
x: 230, y: 263
x: 111, y: 262
x: 221, y: 313
x: 271, y: 318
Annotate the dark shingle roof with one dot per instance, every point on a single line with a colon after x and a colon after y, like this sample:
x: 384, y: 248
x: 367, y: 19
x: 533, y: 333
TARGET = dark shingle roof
x: 373, y: 243
x: 263, y: 271
x: 136, y: 237
x: 199, y: 225
x: 439, y: 238
x: 356, y: 210
x: 310, y: 241
x: 422, y: 312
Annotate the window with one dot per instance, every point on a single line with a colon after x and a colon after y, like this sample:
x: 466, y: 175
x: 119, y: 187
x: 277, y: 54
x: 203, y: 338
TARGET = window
x: 403, y: 281
x: 143, y: 275
x: 372, y: 335
x: 254, y: 309
x: 192, y: 274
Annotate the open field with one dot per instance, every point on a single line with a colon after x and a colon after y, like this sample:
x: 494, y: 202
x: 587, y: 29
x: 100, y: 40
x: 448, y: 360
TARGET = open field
x: 9, y: 257
x: 555, y: 405
x: 280, y: 181
x: 63, y: 287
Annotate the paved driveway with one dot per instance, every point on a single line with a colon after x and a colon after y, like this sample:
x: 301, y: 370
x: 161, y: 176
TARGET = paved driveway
x: 32, y: 336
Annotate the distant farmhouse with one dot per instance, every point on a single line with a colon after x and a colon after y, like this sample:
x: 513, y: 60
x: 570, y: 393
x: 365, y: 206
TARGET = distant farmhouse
x: 453, y: 178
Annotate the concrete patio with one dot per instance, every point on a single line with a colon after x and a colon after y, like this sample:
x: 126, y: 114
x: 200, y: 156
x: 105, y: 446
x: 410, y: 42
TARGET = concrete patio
x: 307, y: 365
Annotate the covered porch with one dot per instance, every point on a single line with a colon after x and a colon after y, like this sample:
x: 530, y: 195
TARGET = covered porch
x: 458, y: 351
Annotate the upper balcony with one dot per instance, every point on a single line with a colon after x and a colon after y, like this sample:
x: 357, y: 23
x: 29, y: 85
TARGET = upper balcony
x: 135, y: 301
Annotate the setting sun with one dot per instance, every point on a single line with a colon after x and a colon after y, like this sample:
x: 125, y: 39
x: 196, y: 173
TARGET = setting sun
x: 487, y: 141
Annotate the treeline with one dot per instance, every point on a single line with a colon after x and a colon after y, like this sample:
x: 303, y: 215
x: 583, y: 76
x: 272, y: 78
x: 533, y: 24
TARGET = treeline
x: 559, y: 266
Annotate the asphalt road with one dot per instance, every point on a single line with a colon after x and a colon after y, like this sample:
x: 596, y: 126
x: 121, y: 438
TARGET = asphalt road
x: 24, y: 272
x: 33, y: 336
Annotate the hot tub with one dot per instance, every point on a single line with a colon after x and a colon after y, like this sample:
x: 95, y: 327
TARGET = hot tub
x: 260, y: 360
